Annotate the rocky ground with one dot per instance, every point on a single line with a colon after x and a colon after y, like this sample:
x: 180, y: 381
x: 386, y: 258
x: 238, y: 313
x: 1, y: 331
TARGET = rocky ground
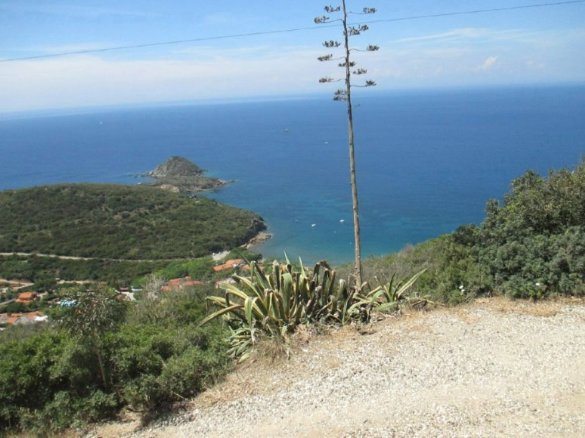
x: 491, y: 368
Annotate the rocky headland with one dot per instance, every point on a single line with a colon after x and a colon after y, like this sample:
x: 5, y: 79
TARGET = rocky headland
x: 177, y: 174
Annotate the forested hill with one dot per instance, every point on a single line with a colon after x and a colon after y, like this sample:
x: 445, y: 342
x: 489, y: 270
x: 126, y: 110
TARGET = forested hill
x: 121, y: 222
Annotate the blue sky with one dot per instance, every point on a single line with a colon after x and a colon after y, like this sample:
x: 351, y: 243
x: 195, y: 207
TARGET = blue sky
x: 529, y: 46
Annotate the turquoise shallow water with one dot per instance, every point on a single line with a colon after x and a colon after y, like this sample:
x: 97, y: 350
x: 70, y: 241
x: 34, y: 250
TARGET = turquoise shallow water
x: 427, y: 161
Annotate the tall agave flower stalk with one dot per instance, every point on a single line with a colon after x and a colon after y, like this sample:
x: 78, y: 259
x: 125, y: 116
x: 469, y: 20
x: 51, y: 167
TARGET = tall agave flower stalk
x: 348, y: 64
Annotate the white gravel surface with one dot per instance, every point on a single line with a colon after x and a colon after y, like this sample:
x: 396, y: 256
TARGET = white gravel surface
x: 493, y: 368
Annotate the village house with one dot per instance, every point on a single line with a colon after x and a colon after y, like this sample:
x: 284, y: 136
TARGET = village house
x: 26, y: 297
x: 126, y: 296
x: 230, y: 264
x: 7, y: 319
x: 179, y: 283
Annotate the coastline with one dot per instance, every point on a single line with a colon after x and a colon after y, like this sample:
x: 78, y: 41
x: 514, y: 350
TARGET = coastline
x: 445, y: 185
x: 259, y: 238
x: 188, y: 188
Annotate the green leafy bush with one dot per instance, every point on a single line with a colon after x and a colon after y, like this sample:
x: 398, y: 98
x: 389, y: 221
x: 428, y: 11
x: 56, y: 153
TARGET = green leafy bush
x: 38, y: 269
x: 532, y: 246
x: 200, y: 268
x: 157, y: 365
x: 536, y: 239
x: 108, y: 358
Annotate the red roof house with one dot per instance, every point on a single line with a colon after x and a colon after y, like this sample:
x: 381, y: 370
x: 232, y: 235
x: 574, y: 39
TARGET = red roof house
x: 180, y: 283
x: 25, y: 318
x: 26, y: 297
x: 229, y: 264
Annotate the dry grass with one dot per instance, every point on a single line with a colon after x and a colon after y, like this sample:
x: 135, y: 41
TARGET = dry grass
x: 546, y: 308
x: 256, y: 376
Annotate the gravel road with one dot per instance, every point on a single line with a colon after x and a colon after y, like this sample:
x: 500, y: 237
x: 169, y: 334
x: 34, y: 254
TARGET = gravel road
x: 488, y: 369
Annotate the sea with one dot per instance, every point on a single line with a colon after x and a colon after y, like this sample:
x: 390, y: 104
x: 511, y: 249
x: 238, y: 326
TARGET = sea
x: 427, y: 161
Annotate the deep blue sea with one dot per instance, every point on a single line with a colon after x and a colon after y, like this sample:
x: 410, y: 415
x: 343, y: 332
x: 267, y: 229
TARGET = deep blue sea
x: 427, y: 161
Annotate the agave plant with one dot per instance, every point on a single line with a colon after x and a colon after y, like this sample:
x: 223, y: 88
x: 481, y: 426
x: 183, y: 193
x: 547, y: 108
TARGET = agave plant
x: 275, y: 303
x: 279, y: 301
x: 241, y: 340
x: 388, y: 296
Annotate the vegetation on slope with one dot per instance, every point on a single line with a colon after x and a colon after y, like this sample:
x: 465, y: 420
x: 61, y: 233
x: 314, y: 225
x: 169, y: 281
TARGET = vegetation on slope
x: 40, y: 270
x: 532, y: 245
x: 43, y: 271
x: 102, y: 355
x: 176, y: 167
x: 274, y: 302
x: 119, y: 222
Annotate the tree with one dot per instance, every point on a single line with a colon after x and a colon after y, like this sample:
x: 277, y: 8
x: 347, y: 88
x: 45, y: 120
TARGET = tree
x: 94, y: 313
x: 344, y: 94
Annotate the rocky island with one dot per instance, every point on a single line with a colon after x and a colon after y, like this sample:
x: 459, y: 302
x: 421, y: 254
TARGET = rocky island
x: 177, y: 174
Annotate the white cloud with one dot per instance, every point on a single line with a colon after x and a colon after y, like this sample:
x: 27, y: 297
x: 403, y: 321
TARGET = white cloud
x: 455, y: 34
x: 485, y: 36
x: 489, y: 63
x: 451, y: 58
x: 90, y: 80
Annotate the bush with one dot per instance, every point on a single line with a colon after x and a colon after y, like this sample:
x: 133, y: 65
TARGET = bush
x: 537, y: 237
x: 50, y: 380
x: 27, y: 378
x: 200, y: 269
x: 532, y: 246
x: 158, y: 366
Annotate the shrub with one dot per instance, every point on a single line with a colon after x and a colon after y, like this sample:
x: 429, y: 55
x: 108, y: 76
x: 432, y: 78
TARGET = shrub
x: 537, y: 236
x: 156, y: 366
x: 50, y: 380
x: 532, y: 246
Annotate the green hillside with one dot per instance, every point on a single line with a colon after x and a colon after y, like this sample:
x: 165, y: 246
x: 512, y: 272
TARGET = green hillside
x: 119, y: 222
x: 531, y: 245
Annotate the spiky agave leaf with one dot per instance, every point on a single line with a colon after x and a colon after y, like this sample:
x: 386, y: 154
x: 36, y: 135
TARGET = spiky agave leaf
x: 289, y: 296
x: 249, y: 309
x: 259, y: 304
x: 402, y: 289
x: 287, y: 291
x: 220, y: 312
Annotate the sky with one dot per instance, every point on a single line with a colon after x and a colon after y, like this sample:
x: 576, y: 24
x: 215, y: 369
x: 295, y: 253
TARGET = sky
x: 526, y: 46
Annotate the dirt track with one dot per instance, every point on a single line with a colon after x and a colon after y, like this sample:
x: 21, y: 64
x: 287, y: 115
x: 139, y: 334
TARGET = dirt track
x: 493, y: 368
